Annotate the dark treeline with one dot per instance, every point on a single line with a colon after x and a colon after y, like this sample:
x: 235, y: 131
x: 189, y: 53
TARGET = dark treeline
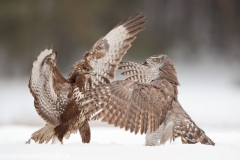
x: 73, y: 26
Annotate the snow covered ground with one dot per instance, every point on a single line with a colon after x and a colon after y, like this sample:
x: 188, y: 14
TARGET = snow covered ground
x: 115, y: 143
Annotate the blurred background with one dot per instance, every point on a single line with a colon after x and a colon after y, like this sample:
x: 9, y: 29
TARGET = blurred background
x: 201, y: 37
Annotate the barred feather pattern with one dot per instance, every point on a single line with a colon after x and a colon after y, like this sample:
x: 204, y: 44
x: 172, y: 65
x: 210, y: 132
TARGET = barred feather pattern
x: 49, y: 89
x: 53, y: 94
x: 130, y: 105
x: 138, y: 72
x: 153, y: 137
x: 118, y: 47
x: 185, y: 127
x: 108, y: 51
x: 42, y: 135
x: 177, y: 123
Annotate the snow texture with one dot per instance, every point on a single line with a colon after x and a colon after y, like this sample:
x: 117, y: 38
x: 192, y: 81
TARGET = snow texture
x: 114, y: 143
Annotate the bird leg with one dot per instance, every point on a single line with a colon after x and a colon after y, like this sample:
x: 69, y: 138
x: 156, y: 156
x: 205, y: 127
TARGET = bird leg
x: 85, y: 132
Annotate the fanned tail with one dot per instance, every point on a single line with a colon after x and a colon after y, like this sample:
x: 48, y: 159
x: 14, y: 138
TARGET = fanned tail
x: 42, y: 135
x: 186, y: 128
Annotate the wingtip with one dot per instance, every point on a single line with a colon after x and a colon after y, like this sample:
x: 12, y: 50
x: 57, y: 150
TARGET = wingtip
x: 41, y: 56
x: 138, y: 14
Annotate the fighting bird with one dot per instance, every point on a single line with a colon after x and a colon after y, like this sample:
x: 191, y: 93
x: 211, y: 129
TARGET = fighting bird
x: 54, y: 96
x: 146, y: 102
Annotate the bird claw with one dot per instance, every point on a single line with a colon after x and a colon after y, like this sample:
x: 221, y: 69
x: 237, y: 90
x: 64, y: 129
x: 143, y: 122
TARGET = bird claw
x: 28, y: 142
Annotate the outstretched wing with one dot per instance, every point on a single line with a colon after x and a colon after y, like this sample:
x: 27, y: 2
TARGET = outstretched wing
x: 138, y: 72
x: 48, y: 87
x: 108, y: 51
x: 128, y: 104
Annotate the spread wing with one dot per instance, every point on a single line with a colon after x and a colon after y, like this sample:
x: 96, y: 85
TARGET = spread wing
x: 128, y: 104
x: 48, y: 87
x: 138, y: 72
x: 108, y: 51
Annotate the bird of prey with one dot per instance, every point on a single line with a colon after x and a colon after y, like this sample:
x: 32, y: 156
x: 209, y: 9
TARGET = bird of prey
x: 146, y: 102
x: 54, y: 95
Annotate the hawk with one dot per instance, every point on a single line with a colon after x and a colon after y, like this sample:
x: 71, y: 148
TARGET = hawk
x: 146, y: 102
x: 54, y: 95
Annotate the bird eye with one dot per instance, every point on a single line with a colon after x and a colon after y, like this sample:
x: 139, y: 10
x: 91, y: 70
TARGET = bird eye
x: 154, y: 59
x: 88, y: 69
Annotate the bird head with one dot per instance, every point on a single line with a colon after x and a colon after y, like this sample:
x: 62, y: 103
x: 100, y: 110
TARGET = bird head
x: 89, y: 71
x: 164, y: 67
x: 155, y: 61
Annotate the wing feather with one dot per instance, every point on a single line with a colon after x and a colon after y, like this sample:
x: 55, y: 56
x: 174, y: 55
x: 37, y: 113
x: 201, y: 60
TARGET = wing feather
x: 127, y: 104
x: 138, y: 72
x: 108, y: 51
x: 44, y: 84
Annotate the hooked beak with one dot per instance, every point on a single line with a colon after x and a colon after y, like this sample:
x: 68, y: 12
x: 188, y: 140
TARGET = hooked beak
x: 145, y: 63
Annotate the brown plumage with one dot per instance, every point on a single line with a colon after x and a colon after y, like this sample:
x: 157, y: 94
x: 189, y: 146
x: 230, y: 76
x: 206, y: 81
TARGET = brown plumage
x: 54, y: 96
x: 146, y: 102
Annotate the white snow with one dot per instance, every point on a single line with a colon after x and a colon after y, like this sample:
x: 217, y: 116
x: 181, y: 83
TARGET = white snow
x: 115, y: 143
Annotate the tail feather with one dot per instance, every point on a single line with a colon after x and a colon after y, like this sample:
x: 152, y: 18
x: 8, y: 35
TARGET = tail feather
x: 197, y: 137
x: 42, y: 135
x: 186, y: 128
x: 178, y: 123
